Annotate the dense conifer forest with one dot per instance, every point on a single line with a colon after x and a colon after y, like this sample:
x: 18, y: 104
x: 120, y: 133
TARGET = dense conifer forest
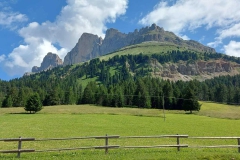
x: 122, y: 81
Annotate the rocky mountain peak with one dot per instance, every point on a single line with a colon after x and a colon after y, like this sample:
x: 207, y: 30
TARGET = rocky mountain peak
x: 90, y: 46
x: 86, y: 48
x: 112, y: 32
x: 50, y: 61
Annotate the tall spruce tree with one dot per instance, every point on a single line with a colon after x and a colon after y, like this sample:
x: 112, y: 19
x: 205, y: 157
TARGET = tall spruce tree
x: 7, y: 102
x: 190, y: 102
x: 33, y: 103
x: 89, y: 93
x: 141, y: 96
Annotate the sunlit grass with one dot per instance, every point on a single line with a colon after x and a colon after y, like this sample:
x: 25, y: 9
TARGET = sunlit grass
x: 88, y: 120
x: 144, y: 48
x: 220, y: 110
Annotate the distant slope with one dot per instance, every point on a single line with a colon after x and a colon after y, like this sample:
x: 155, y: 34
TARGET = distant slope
x: 150, y: 47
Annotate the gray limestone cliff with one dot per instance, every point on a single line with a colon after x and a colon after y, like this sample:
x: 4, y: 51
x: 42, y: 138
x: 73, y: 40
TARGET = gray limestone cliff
x: 50, y: 61
x: 90, y: 46
x: 86, y: 48
x: 190, y: 70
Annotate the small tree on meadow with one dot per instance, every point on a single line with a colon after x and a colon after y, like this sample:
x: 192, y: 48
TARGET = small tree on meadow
x: 33, y: 103
x: 190, y: 102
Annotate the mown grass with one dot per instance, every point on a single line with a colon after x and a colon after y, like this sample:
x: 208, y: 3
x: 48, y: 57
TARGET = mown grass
x: 87, y: 120
x: 220, y: 110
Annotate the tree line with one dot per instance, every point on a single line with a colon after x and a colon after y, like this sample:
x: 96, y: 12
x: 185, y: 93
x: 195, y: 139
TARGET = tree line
x: 121, y: 81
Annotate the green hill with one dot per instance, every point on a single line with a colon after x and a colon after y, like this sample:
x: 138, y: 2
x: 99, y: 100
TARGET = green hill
x: 151, y: 47
x: 123, y: 78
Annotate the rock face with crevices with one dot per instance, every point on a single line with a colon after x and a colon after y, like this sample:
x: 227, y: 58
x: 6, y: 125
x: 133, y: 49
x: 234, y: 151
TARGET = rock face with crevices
x: 50, y: 61
x: 90, y: 46
x: 190, y: 70
x: 87, y: 47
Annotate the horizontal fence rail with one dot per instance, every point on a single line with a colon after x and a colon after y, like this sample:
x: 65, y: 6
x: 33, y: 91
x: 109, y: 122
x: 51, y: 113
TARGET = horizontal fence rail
x: 19, y: 150
x: 218, y: 146
x: 106, y: 146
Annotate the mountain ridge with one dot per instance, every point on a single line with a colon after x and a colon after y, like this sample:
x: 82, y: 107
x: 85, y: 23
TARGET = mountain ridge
x: 90, y: 46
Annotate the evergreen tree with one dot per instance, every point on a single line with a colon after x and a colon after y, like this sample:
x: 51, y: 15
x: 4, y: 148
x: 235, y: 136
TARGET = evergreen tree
x: 168, y: 95
x: 141, y: 96
x: 69, y: 96
x: 13, y: 93
x: 79, y: 94
x: 236, y: 97
x: 101, y: 95
x: 190, y: 102
x: 89, y: 94
x: 221, y: 93
x: 21, y: 98
x: 33, y: 103
x: 7, y: 102
x: 52, y: 98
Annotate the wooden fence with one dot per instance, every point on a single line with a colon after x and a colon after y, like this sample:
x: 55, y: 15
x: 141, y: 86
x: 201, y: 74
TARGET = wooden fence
x: 106, y: 146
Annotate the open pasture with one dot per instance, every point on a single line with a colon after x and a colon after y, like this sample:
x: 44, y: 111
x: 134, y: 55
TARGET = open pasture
x: 87, y: 120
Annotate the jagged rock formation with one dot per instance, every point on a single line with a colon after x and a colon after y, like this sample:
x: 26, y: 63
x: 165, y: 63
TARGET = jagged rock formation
x: 90, y: 46
x: 186, y: 71
x: 86, y: 48
x: 50, y: 61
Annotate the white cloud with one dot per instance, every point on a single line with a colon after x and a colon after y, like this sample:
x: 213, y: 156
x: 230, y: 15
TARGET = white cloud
x: 189, y: 15
x: 192, y: 14
x: 233, y: 31
x: 185, y: 37
x: 9, y: 19
x: 2, y: 58
x: 76, y: 17
x: 232, y: 49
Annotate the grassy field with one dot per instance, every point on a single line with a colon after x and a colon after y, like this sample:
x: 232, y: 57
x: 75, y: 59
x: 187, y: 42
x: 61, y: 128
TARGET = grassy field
x: 144, y: 48
x: 86, y: 120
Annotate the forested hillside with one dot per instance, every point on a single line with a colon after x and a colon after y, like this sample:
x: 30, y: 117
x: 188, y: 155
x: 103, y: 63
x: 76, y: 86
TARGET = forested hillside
x: 123, y: 81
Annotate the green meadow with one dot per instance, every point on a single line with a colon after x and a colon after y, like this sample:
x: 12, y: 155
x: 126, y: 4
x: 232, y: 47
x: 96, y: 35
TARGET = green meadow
x: 214, y: 120
x: 145, y: 48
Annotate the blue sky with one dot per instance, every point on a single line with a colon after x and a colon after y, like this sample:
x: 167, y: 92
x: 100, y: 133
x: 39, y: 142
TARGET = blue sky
x: 30, y: 29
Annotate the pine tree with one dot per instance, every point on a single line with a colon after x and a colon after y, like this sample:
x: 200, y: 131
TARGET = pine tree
x: 89, y: 94
x: 21, y: 98
x: 168, y: 94
x: 221, y: 93
x: 7, y: 102
x: 52, y: 98
x: 33, y: 103
x: 69, y: 96
x: 141, y: 96
x: 190, y: 102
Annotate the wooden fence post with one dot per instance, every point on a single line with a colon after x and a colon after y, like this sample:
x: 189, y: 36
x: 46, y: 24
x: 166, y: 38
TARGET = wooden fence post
x: 178, y: 142
x: 19, y: 147
x: 106, y: 144
x: 238, y: 145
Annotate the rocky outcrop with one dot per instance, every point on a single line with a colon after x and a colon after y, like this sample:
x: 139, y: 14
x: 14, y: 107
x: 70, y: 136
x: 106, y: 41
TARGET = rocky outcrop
x: 90, y: 46
x: 190, y: 70
x: 50, y: 61
x: 86, y: 48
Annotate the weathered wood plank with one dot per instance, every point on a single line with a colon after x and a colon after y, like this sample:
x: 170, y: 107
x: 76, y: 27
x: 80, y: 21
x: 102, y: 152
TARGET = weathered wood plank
x: 218, y: 146
x: 104, y: 137
x: 17, y: 151
x: 213, y: 137
x: 160, y: 136
x: 104, y: 147
x: 156, y: 146
x: 18, y: 139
